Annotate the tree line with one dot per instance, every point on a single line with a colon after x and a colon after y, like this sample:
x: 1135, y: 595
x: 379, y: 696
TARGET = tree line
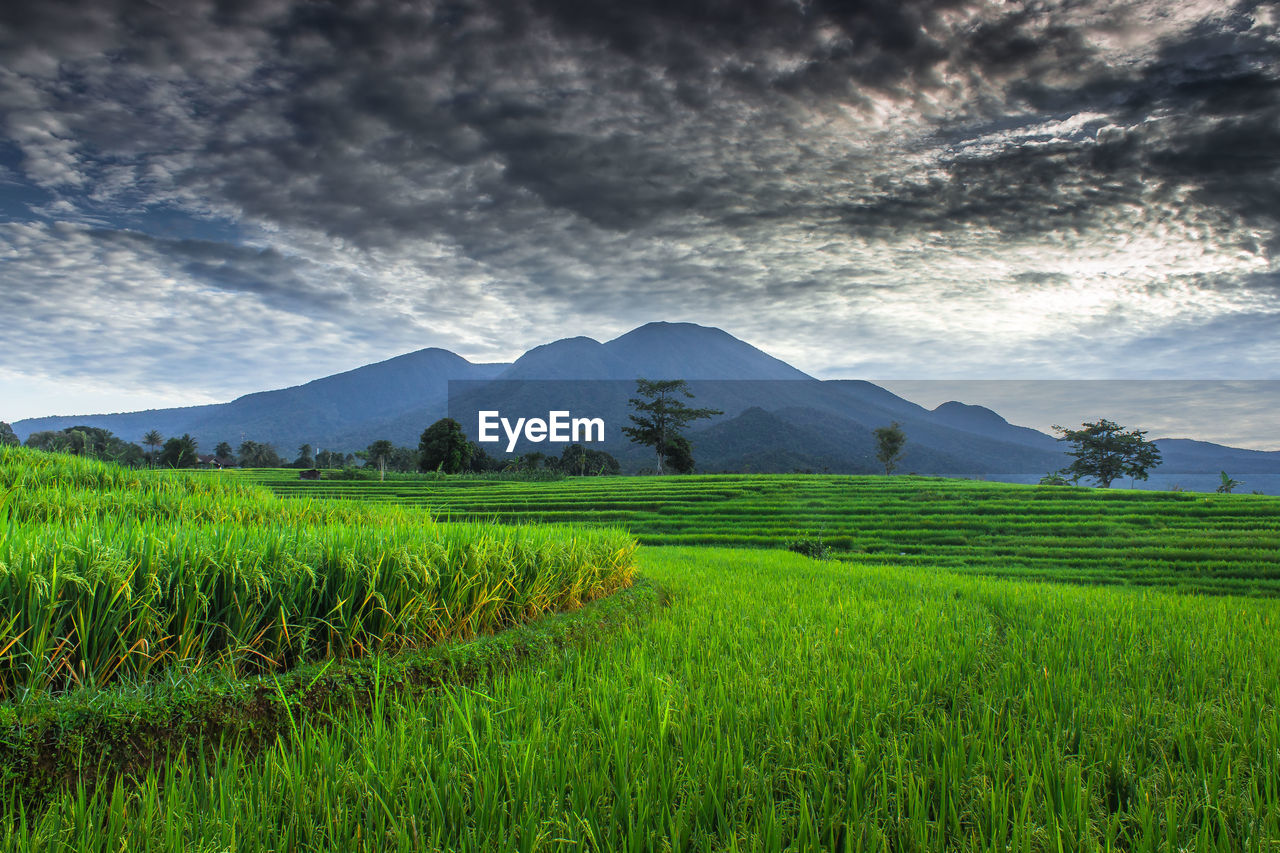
x: 1102, y: 450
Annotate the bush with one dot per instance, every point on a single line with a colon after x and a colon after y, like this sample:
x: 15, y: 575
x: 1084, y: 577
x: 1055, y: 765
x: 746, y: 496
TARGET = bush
x: 811, y: 546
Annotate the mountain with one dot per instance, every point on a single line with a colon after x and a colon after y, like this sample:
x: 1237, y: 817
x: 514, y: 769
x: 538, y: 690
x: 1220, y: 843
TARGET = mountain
x: 775, y: 417
x: 982, y: 421
x: 324, y: 412
x: 653, y: 351
x: 1187, y: 456
x: 688, y: 351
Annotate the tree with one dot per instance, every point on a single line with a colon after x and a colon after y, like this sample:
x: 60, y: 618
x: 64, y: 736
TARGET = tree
x: 661, y: 415
x: 444, y: 447
x: 90, y: 441
x: 93, y: 442
x: 378, y: 454
x: 889, y: 441
x: 1228, y: 485
x: 8, y: 436
x: 481, y: 461
x: 305, y: 459
x: 224, y: 451
x: 678, y: 455
x: 179, y: 452
x: 50, y: 441
x: 255, y: 455
x: 1104, y: 451
x: 333, y: 459
x: 154, y: 440
x: 579, y: 461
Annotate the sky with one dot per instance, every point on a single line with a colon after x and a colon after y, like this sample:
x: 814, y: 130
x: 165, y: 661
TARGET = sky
x: 203, y: 199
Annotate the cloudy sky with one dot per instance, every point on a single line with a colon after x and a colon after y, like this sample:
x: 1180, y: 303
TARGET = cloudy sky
x: 198, y: 200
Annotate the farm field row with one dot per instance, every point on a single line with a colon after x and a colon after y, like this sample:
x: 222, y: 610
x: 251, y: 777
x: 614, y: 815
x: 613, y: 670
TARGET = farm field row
x: 780, y: 703
x: 1197, y: 542
x: 109, y: 574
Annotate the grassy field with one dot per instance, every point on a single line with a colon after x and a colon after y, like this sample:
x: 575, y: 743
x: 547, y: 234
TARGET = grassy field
x: 109, y: 574
x: 780, y: 703
x: 927, y: 691
x: 1204, y: 543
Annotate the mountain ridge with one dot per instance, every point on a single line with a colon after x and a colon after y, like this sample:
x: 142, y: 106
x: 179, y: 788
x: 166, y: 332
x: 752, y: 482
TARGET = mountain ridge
x: 768, y: 407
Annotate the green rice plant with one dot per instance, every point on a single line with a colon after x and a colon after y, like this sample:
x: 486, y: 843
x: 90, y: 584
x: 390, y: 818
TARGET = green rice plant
x: 780, y: 703
x: 108, y: 574
x: 1203, y: 543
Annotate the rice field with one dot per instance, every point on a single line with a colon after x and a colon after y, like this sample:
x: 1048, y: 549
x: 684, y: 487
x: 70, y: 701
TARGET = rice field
x: 1196, y: 542
x: 780, y: 703
x: 935, y: 688
x: 107, y: 574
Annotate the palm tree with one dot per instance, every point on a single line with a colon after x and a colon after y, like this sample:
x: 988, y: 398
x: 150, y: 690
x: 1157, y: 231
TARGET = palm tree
x: 154, y: 440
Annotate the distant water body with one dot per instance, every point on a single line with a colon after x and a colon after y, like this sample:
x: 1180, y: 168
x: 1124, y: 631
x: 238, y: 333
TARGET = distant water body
x: 1268, y: 484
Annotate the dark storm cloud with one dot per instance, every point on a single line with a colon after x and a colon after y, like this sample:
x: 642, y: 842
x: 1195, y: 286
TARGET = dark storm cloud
x: 288, y: 283
x: 492, y: 174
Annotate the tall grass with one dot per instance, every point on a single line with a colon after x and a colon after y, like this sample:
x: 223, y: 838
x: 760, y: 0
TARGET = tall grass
x: 108, y: 574
x: 781, y: 703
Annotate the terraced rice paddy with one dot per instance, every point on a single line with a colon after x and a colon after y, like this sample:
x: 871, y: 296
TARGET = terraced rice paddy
x: 108, y: 574
x: 780, y: 703
x: 922, y: 693
x: 1198, y: 542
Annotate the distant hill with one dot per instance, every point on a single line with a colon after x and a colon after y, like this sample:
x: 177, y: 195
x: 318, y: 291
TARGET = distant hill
x: 776, y: 418
x: 325, y: 412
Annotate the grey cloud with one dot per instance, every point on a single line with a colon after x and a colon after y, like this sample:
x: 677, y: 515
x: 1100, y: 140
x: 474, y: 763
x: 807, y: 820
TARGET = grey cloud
x: 862, y: 175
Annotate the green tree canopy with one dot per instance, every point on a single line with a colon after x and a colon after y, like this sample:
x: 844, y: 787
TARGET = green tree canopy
x: 224, y: 451
x: 179, y: 452
x: 94, y: 442
x: 580, y: 461
x: 678, y: 455
x: 444, y: 447
x: 660, y: 416
x: 1228, y: 484
x: 50, y: 441
x: 377, y: 455
x: 333, y: 459
x: 1104, y: 451
x: 305, y: 457
x: 153, y: 439
x: 7, y: 435
x: 253, y: 454
x: 889, y: 441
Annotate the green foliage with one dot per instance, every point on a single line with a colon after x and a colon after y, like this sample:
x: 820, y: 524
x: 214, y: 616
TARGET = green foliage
x: 104, y: 576
x: 46, y: 740
x: 810, y: 546
x: 1206, y: 543
x: 1056, y: 478
x: 677, y: 455
x: 224, y: 451
x: 178, y: 453
x: 7, y: 436
x: 1105, y: 452
x: 444, y: 447
x: 305, y: 459
x: 779, y: 703
x: 153, y: 439
x: 889, y: 441
x: 581, y: 461
x: 252, y: 454
x: 1228, y: 485
x: 92, y: 442
x: 660, y: 416
x: 334, y: 459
